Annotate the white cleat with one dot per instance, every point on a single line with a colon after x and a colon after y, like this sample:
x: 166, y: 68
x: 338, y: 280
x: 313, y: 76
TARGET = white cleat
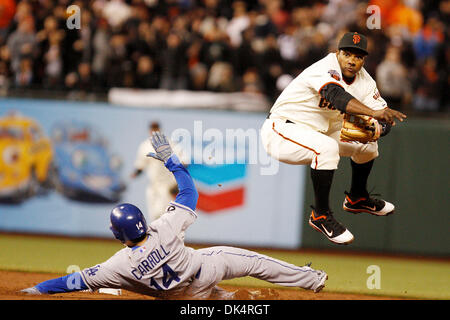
x: 330, y: 227
x: 321, y: 283
x: 367, y: 204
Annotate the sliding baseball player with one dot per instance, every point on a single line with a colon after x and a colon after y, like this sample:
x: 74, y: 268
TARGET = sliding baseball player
x: 156, y: 262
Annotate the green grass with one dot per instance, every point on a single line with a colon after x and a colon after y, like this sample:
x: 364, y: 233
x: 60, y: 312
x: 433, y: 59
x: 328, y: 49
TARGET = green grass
x: 52, y: 254
x: 400, y: 277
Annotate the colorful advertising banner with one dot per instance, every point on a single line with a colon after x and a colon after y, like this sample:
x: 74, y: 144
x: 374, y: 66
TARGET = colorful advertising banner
x: 64, y: 165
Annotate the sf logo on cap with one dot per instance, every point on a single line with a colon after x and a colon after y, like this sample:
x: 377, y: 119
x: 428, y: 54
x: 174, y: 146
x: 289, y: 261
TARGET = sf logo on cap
x: 356, y: 38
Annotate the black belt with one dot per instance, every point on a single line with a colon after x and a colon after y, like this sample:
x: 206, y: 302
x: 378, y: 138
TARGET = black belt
x: 287, y: 121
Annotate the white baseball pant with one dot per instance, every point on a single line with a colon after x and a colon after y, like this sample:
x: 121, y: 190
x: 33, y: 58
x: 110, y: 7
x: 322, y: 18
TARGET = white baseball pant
x: 300, y: 144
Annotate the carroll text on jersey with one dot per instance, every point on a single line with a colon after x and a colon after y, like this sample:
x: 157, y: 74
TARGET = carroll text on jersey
x: 153, y: 258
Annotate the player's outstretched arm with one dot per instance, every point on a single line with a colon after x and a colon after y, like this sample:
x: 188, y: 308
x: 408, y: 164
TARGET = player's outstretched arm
x: 387, y: 114
x: 69, y: 283
x: 346, y: 103
x: 187, y: 194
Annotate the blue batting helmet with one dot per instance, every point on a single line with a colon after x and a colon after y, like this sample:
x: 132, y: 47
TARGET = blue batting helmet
x: 127, y: 222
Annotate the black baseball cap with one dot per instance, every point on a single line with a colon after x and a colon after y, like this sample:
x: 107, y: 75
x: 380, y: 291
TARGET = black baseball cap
x: 353, y: 40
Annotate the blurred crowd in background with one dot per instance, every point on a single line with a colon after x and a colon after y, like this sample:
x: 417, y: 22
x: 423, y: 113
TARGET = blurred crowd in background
x: 222, y: 45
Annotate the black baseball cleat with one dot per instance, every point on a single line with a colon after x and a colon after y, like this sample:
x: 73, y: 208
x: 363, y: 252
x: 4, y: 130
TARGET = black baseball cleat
x: 367, y: 204
x: 330, y: 227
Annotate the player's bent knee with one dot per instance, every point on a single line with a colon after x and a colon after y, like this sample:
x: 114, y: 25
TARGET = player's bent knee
x: 328, y: 163
x: 367, y: 153
x: 327, y: 157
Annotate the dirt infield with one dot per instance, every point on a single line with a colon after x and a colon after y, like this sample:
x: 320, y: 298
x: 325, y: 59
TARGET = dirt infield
x: 12, y: 281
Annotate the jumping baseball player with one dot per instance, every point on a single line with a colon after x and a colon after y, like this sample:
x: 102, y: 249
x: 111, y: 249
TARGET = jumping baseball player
x: 328, y: 111
x: 156, y: 262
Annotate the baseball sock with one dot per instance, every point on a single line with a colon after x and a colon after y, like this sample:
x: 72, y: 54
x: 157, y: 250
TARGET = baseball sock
x: 322, y: 180
x: 360, y: 175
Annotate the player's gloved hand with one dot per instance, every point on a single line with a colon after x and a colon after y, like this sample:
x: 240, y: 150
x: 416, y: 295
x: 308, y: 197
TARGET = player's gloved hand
x: 163, y: 151
x: 385, y: 128
x: 360, y: 128
x: 31, y: 291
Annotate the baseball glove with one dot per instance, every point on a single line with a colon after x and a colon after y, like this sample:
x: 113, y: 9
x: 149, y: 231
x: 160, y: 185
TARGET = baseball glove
x: 360, y: 128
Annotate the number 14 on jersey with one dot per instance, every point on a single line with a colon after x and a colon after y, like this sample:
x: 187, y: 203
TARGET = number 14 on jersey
x: 168, y: 276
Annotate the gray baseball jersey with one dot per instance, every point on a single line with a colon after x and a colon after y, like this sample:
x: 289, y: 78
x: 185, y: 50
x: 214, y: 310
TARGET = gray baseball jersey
x: 163, y: 263
x: 164, y: 267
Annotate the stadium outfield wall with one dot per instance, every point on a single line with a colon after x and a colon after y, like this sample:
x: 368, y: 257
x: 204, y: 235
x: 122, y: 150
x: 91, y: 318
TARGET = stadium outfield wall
x: 245, y: 197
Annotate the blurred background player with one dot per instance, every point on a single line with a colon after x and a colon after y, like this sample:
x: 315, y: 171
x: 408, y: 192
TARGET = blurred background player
x: 156, y: 262
x: 160, y: 181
